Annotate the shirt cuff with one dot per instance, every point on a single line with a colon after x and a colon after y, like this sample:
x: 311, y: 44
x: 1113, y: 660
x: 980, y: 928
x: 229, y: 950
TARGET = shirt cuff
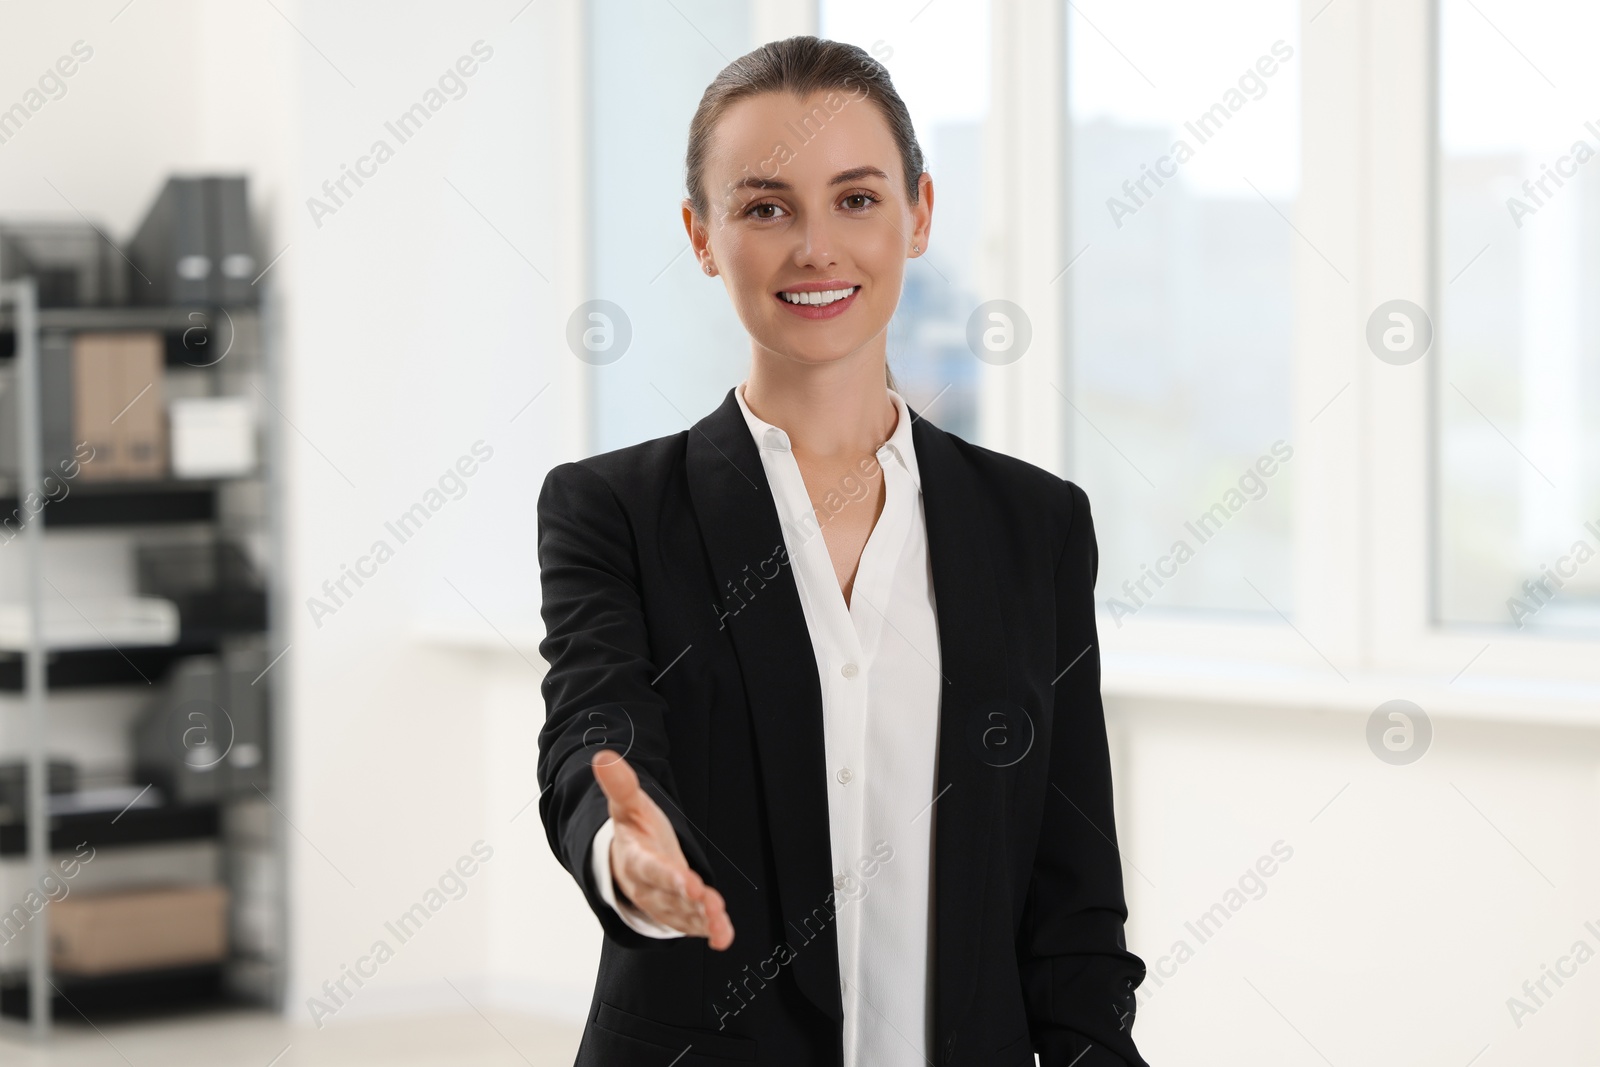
x: 600, y: 865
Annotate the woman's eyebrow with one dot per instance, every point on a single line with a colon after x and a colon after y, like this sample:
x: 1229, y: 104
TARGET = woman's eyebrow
x: 844, y: 177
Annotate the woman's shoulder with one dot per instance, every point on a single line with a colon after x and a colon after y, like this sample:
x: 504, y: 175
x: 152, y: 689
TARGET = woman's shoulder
x: 628, y: 468
x: 1014, y: 489
x: 1011, y: 474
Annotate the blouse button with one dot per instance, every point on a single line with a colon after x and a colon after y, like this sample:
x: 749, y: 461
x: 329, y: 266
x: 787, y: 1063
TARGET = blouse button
x: 849, y: 670
x: 844, y: 776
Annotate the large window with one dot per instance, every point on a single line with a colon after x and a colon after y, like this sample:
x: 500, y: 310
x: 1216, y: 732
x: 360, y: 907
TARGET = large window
x: 928, y: 352
x: 1224, y: 240
x: 1517, y: 389
x: 1184, y: 169
x: 665, y: 343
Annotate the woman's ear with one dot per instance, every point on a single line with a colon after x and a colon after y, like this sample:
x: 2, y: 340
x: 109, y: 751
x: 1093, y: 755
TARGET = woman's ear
x: 699, y: 237
x: 922, y: 213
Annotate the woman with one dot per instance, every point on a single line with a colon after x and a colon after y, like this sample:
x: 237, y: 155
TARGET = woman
x: 824, y: 743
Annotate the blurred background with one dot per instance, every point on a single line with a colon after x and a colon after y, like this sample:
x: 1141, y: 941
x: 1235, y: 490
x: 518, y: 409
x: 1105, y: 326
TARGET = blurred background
x: 1302, y: 293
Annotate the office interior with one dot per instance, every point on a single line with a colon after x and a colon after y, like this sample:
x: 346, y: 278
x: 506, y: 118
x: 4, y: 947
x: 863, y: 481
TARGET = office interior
x: 290, y: 293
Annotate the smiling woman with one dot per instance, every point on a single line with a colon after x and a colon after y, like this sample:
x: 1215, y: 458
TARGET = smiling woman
x: 918, y: 676
x: 816, y: 129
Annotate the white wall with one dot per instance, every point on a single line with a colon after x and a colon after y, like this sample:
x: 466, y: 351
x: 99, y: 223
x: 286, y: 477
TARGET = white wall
x: 1417, y: 898
x: 417, y: 323
x: 406, y: 328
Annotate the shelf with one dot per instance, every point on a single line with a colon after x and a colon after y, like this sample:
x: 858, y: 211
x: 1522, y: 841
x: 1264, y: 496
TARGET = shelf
x: 207, y: 349
x: 173, y: 322
x: 129, y: 503
x: 113, y: 995
x: 105, y: 829
x: 78, y: 668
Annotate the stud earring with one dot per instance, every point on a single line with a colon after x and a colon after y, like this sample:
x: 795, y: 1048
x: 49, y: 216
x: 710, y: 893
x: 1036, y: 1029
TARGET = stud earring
x: 916, y: 248
x: 707, y: 266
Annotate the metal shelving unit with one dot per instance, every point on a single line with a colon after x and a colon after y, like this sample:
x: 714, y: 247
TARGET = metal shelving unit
x: 22, y: 295
x: 38, y: 669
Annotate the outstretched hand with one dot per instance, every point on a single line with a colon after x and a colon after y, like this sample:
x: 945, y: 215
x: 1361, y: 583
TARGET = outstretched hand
x: 647, y: 863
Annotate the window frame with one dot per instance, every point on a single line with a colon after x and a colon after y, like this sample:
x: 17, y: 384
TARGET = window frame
x: 1366, y: 508
x: 1363, y: 628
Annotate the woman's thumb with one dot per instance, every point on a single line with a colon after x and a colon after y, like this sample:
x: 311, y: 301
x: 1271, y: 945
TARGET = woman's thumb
x: 618, y: 781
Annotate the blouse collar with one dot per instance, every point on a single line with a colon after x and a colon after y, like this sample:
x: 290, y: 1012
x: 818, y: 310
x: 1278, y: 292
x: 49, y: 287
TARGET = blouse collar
x: 899, y: 446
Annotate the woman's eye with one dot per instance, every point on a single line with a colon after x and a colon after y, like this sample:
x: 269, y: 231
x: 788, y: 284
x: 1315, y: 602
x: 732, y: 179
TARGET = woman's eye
x: 769, y: 211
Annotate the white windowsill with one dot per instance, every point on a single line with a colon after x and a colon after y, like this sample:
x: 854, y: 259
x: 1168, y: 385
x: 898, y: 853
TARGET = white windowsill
x: 1239, y: 683
x: 1213, y: 681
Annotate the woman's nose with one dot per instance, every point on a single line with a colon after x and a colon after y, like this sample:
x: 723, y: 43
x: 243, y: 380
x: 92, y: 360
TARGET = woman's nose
x: 816, y: 247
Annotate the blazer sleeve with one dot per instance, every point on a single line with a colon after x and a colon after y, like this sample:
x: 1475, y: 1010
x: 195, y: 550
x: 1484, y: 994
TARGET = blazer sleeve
x: 597, y: 691
x: 1077, y: 974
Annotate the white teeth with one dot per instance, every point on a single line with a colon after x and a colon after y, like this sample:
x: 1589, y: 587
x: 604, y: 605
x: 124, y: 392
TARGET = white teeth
x: 826, y: 296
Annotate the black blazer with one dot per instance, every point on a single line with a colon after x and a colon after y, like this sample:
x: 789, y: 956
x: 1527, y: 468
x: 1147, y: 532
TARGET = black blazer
x: 675, y: 634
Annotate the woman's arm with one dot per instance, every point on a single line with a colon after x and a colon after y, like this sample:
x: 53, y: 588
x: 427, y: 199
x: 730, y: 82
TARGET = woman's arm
x: 598, y: 697
x: 1077, y: 974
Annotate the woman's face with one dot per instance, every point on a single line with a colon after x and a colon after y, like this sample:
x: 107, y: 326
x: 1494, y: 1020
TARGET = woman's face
x: 809, y: 225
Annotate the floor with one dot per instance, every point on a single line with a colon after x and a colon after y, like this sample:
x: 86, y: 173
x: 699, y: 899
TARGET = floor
x: 257, y: 1039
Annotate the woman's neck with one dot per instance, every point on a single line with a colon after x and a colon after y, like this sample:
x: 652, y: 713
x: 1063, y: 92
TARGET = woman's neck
x: 833, y: 410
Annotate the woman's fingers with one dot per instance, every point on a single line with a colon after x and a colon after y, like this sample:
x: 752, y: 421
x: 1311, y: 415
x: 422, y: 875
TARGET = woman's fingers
x: 642, y: 868
x: 718, y: 926
x: 674, y: 910
x: 671, y: 893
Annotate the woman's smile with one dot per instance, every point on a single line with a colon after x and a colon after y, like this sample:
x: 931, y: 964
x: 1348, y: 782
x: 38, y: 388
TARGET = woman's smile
x: 818, y: 300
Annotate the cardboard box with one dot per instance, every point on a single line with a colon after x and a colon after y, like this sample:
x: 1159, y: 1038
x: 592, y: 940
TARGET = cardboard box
x: 146, y: 929
x: 118, y: 405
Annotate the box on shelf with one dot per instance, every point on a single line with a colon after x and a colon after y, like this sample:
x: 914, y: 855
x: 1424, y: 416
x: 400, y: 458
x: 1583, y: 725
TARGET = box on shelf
x: 204, y: 735
x: 71, y: 263
x: 212, y: 436
x: 97, y: 933
x: 232, y: 246
x: 117, y: 387
x: 103, y: 799
x: 194, y: 245
x: 216, y: 588
x: 93, y: 622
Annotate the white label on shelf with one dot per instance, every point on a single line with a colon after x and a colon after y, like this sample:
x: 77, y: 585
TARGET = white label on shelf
x: 194, y: 268
x: 238, y: 265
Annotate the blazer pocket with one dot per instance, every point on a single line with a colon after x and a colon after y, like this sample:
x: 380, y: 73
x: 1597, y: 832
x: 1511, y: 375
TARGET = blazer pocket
x: 704, y: 1043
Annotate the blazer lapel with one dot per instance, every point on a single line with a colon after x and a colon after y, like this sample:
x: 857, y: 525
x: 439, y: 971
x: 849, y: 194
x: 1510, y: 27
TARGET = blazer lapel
x: 974, y: 659
x: 739, y: 521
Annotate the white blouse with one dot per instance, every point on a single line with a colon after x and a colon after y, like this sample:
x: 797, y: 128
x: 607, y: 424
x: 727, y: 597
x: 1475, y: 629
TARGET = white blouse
x: 878, y: 665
